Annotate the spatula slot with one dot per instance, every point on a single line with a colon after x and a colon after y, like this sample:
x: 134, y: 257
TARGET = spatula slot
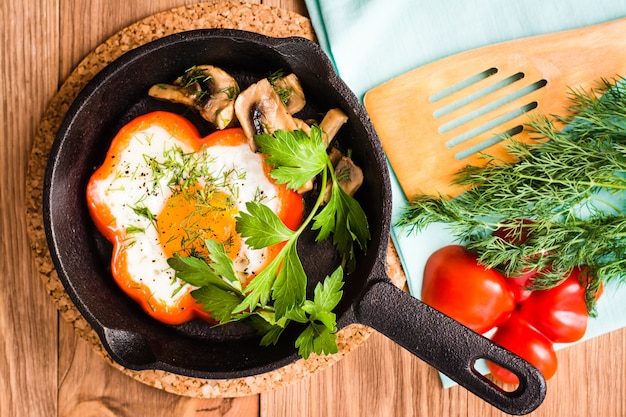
x: 491, y: 124
x: 494, y: 140
x: 493, y: 105
x: 477, y: 95
x: 461, y: 85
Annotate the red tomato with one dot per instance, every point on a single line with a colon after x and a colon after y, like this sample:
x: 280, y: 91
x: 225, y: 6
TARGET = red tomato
x: 516, y: 232
x: 518, y: 336
x: 455, y: 284
x: 519, y: 286
x: 560, y: 313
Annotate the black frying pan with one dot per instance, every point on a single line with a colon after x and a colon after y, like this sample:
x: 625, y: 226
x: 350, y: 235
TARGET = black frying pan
x: 82, y: 256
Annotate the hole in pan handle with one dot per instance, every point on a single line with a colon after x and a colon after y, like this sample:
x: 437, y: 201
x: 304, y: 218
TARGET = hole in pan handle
x: 449, y: 346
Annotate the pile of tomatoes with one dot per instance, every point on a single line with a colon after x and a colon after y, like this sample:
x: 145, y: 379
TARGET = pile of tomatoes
x: 528, y: 323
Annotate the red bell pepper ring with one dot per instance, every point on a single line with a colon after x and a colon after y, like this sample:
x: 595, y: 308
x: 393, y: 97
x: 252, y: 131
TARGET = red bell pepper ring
x: 184, y: 307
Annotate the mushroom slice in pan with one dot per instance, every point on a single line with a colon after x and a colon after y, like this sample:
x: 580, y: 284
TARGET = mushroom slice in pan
x: 349, y: 175
x: 208, y: 89
x: 302, y: 125
x: 289, y: 90
x: 331, y: 123
x: 260, y: 110
x: 184, y: 95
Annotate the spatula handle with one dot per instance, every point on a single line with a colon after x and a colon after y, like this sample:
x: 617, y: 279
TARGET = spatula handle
x: 449, y: 346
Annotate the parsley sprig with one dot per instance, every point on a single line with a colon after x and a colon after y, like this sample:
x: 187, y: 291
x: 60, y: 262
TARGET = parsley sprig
x: 277, y: 295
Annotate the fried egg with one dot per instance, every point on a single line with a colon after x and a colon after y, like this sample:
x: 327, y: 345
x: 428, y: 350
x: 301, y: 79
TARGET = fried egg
x: 163, y: 190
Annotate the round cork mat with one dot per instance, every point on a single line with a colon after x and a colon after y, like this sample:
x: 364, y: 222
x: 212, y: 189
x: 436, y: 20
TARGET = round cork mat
x: 234, y: 15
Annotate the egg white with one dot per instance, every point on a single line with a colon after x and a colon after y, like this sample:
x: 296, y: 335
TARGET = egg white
x: 134, y: 187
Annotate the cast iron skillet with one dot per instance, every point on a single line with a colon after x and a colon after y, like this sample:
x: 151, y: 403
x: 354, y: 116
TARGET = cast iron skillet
x: 81, y: 255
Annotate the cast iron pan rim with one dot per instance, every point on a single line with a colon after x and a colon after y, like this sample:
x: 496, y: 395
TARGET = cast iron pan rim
x: 239, y: 36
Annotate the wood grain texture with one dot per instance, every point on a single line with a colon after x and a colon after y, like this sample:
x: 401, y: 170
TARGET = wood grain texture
x: 381, y: 379
x: 47, y: 371
x: 28, y: 322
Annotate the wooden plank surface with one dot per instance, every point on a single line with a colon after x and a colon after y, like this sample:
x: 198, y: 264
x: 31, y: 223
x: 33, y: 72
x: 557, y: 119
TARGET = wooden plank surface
x: 28, y: 321
x: 46, y: 370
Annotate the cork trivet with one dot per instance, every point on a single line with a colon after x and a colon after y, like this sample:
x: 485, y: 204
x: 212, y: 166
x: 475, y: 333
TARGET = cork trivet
x: 234, y: 15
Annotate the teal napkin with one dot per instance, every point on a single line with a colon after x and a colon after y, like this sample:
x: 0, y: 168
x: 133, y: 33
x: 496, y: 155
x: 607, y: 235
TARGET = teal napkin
x: 372, y: 41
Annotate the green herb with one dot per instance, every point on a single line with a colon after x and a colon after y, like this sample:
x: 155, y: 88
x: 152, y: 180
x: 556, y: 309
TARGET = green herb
x: 277, y: 295
x: 320, y: 334
x: 182, y: 169
x: 193, y: 77
x: 144, y: 212
x: 296, y: 156
x: 131, y: 229
x: 284, y: 279
x: 564, y: 184
x: 283, y: 93
x: 231, y: 93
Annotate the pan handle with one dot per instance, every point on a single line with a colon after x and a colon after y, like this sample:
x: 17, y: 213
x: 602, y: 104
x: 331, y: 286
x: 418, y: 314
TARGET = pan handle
x: 448, y: 346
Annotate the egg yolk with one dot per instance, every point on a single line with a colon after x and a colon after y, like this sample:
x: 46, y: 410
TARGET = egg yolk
x: 192, y: 216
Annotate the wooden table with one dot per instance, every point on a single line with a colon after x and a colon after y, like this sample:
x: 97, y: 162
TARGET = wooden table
x: 46, y: 370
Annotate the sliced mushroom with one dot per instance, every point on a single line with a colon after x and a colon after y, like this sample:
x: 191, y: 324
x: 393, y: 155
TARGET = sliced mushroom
x: 208, y: 89
x: 334, y: 155
x: 302, y: 125
x: 349, y: 175
x: 260, y: 110
x: 331, y: 123
x: 290, y: 91
x: 184, y: 95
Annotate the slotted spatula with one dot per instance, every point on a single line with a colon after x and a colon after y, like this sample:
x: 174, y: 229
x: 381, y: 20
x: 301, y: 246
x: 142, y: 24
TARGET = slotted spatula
x: 434, y: 120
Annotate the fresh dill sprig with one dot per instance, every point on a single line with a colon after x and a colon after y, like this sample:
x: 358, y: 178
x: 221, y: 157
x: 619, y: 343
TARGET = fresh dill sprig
x: 566, y: 183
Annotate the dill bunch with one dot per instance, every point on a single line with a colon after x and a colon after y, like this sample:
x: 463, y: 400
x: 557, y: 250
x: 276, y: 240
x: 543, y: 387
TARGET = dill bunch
x: 558, y: 205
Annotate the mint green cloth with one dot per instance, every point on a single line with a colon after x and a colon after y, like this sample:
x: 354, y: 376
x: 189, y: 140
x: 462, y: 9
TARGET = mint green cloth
x: 372, y: 41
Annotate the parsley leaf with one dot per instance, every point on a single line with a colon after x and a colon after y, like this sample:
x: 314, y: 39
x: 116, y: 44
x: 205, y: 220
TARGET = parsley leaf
x: 219, y: 289
x: 316, y: 338
x: 271, y: 336
x: 326, y: 297
x: 290, y: 286
x: 261, y: 227
x: 328, y: 294
x: 344, y: 217
x: 218, y: 302
x: 319, y: 336
x: 267, y: 328
x: 259, y: 290
x: 296, y: 156
x: 222, y: 265
x: 196, y: 272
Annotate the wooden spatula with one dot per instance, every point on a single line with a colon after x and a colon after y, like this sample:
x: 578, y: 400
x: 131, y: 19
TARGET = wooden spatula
x: 434, y: 120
